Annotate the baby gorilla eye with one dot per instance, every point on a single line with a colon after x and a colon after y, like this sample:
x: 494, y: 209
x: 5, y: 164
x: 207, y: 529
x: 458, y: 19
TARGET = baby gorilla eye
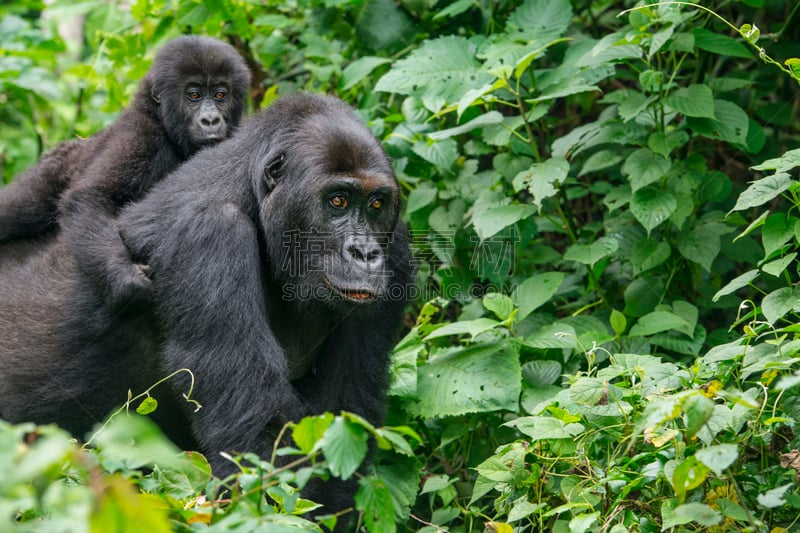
x: 338, y: 201
x: 219, y: 95
x: 194, y: 95
x: 376, y: 203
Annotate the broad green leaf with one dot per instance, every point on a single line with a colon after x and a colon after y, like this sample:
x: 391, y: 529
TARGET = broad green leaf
x: 308, y: 433
x: 656, y: 322
x: 784, y: 163
x: 600, y: 160
x: 499, y: 304
x: 730, y: 125
x: 692, y: 512
x: 590, y: 254
x: 648, y: 253
x: 775, y: 497
x: 470, y: 327
x: 539, y: 20
x: 541, y: 373
x: 535, y: 291
x: 762, y: 191
x: 777, y: 267
x: 779, y: 302
x: 456, y: 8
x: 776, y: 232
x: 344, y: 445
x: 664, y: 144
x: 360, y: 69
x: 489, y: 222
x: 148, y: 405
x: 546, y: 428
x: 697, y: 100
x: 644, y: 167
x: 476, y: 379
x: 441, y: 70
x: 652, y: 207
x: 688, y: 475
x: 718, y: 457
x: 492, y: 117
x: 441, y: 153
x: 420, y: 197
x: 555, y: 335
x: 541, y: 179
x: 719, y: 44
x: 588, y: 390
x: 697, y: 411
x: 583, y: 522
x: 374, y: 501
x: 736, y: 283
x: 702, y: 244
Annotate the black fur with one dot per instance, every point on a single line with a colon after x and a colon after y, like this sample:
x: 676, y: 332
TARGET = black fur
x: 192, y: 96
x: 282, y: 300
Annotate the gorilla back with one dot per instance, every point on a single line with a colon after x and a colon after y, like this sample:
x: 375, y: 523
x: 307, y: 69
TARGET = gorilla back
x: 279, y: 265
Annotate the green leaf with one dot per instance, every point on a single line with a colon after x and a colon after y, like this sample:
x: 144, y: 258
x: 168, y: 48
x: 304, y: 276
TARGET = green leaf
x: 777, y: 267
x: 698, y: 410
x: 492, y: 117
x: 664, y: 144
x: 360, y: 69
x: 656, y: 322
x: 541, y: 179
x: 374, y: 500
x: 308, y: 433
x: 551, y: 336
x: 441, y: 153
x: 456, y: 8
x: 762, y: 191
x: 652, y: 206
x: 440, y: 71
x: 590, y: 254
x: 488, y: 222
x: 719, y: 44
x: 644, y: 167
x: 718, y: 457
x: 618, y: 322
x: 692, y: 512
x: 776, y: 232
x: 779, y: 302
x: 697, y: 100
x: 730, y: 125
x: 148, y: 405
x: 540, y: 21
x: 688, y: 475
x: 499, y: 304
x: 702, y: 244
x: 545, y: 428
x: 736, y: 283
x: 775, y: 497
x: 477, y: 379
x: 600, y: 160
x: 588, y: 390
x: 535, y: 291
x: 541, y: 373
x: 784, y: 163
x: 422, y: 196
x: 344, y: 445
x: 648, y: 253
x: 583, y: 522
x: 471, y: 327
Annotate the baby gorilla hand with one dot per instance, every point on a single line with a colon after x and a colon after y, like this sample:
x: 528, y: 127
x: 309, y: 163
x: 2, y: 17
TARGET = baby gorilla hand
x: 130, y: 286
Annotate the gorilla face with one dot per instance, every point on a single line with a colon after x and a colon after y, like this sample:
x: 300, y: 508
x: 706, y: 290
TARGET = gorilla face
x: 206, y: 106
x: 334, y: 197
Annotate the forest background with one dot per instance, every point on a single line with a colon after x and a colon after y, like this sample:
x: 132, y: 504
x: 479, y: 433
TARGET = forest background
x: 603, y: 202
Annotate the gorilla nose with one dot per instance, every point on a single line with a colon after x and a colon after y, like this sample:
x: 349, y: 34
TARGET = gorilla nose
x: 363, y: 252
x: 210, y: 121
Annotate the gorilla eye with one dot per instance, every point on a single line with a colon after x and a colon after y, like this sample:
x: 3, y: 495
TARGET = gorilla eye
x: 194, y: 95
x: 339, y: 201
x: 219, y: 95
x: 376, y: 203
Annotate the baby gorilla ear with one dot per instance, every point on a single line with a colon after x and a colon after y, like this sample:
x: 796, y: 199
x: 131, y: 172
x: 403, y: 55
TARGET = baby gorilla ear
x: 273, y: 172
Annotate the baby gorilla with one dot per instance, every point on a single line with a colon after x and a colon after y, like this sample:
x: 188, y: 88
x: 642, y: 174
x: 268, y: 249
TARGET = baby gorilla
x: 192, y: 96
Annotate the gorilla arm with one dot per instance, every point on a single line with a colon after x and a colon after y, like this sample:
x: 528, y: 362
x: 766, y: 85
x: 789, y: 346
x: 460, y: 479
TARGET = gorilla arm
x: 207, y: 274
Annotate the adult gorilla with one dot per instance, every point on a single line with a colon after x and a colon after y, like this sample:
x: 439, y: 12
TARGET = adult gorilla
x: 279, y: 264
x: 192, y: 96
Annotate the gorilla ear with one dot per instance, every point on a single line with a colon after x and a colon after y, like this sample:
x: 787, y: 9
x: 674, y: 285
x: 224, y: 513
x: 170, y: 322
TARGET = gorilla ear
x: 272, y: 172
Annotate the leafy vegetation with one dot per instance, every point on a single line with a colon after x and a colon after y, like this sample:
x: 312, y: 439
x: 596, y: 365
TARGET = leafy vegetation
x: 603, y: 200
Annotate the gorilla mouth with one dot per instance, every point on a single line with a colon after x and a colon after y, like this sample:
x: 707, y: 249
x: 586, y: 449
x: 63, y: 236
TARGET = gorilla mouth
x: 360, y: 296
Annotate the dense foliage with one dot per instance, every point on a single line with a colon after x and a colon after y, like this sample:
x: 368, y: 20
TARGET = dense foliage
x: 604, y: 207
